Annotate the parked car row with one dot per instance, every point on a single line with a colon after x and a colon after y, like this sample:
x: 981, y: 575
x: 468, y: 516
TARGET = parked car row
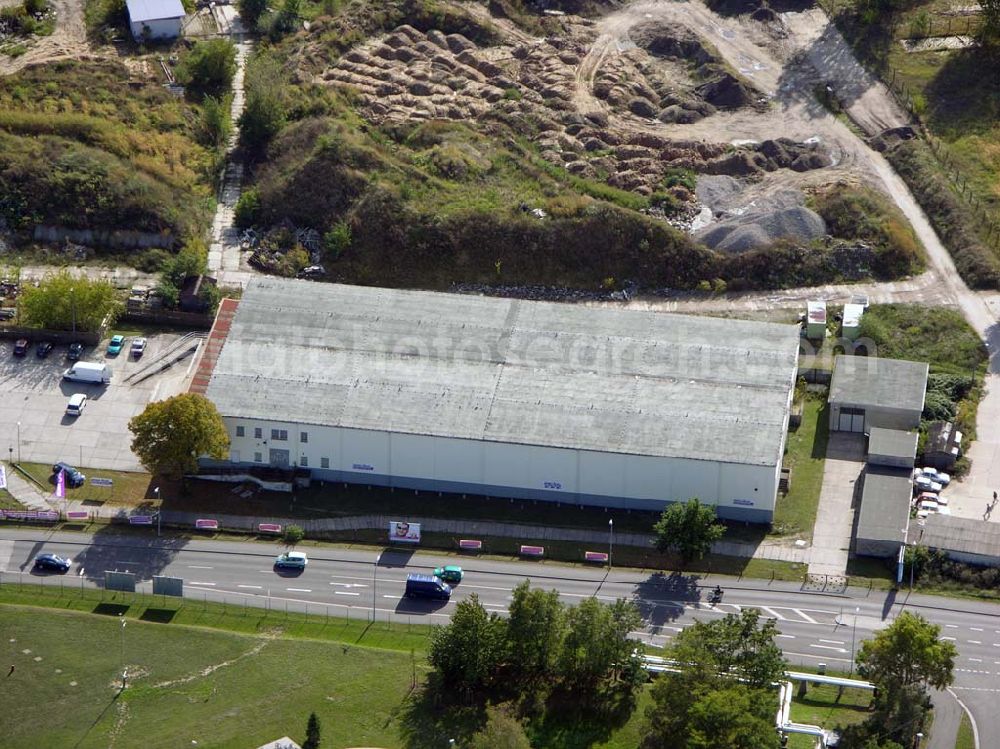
x: 44, y: 348
x: 927, y: 486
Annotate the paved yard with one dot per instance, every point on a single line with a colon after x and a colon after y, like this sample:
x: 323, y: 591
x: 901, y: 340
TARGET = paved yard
x: 33, y: 423
x: 845, y: 455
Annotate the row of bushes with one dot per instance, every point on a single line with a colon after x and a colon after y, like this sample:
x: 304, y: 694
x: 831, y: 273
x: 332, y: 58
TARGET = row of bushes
x: 934, y: 567
x: 976, y: 263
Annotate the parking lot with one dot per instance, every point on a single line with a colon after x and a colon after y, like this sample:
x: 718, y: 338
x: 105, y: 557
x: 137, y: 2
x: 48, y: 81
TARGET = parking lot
x: 34, y: 426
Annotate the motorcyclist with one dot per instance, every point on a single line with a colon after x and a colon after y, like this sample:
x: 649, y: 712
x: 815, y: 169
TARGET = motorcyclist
x: 717, y: 593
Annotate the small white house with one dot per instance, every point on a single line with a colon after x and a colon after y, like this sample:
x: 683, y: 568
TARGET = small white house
x: 851, y: 325
x: 155, y: 19
x: 816, y: 320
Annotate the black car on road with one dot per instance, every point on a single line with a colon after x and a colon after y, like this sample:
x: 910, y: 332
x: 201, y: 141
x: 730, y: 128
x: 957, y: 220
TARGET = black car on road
x: 52, y: 563
x: 21, y: 347
x: 75, y: 351
x: 43, y: 349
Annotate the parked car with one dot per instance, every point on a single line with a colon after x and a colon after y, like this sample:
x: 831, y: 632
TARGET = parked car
x: 73, y: 477
x: 925, y: 484
x: 930, y: 496
x: 7, y: 313
x: 935, y: 475
x: 77, y: 401
x: 450, y: 574
x: 52, y: 562
x: 75, y: 351
x: 116, y: 345
x: 295, y: 560
x: 138, y: 347
x: 43, y: 349
x: 928, y: 505
x: 21, y: 347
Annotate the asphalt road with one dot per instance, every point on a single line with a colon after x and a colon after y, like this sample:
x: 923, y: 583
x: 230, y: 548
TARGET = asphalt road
x: 815, y: 627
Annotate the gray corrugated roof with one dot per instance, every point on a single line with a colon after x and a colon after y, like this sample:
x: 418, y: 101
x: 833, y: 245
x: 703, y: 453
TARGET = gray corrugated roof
x: 885, y: 504
x: 154, y: 10
x: 872, y: 381
x: 948, y: 532
x: 893, y: 442
x: 594, y: 378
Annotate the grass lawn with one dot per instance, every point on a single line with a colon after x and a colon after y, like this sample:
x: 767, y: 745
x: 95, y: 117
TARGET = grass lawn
x: 966, y: 739
x: 805, y: 454
x: 192, y: 679
x: 128, y: 488
x: 7, y: 502
x: 822, y: 707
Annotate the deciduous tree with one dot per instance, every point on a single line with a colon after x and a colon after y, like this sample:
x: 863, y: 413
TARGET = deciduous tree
x: 264, y: 114
x: 170, y: 435
x: 536, y: 629
x: 467, y: 652
x: 689, y: 528
x: 209, y: 67
x: 908, y: 652
x: 722, y: 693
x: 502, y: 731
x: 597, y: 648
x: 62, y: 302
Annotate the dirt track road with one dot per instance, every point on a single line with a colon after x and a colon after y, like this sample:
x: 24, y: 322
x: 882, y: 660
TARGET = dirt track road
x: 68, y: 40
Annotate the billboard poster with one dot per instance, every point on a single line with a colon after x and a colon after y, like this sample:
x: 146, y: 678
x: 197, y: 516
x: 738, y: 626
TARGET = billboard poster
x: 400, y: 530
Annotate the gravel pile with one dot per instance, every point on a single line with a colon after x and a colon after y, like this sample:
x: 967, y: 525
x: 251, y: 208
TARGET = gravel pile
x: 762, y: 229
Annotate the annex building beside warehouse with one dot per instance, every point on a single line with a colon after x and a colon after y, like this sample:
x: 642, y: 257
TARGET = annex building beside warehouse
x: 509, y: 398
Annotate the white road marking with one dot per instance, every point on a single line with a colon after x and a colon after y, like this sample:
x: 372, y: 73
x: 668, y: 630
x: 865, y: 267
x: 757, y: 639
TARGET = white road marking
x: 974, y: 642
x: 349, y: 585
x: 950, y: 639
x: 386, y: 595
x: 787, y: 637
x: 804, y: 616
x: 774, y: 613
x: 199, y: 567
x: 951, y: 626
x: 255, y: 587
x: 827, y: 647
x: 299, y: 590
x: 976, y: 629
x: 345, y: 593
x: 194, y: 583
x: 976, y: 660
x: 833, y: 642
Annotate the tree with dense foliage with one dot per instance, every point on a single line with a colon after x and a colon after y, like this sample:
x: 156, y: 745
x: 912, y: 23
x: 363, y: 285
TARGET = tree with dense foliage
x: 293, y: 534
x: 265, y: 111
x: 190, y: 260
x: 722, y: 695
x: 597, y: 649
x: 536, y: 629
x: 209, y: 67
x: 689, y: 528
x: 467, y: 653
x: 64, y: 302
x: 502, y: 731
x: 170, y: 435
x: 908, y: 653
x: 251, y: 11
x: 215, y: 122
x: 989, y: 30
x: 312, y: 733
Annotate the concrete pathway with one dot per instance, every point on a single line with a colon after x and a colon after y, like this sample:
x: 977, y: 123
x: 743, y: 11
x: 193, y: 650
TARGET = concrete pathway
x: 968, y: 498
x: 947, y: 716
x: 224, y: 256
x: 835, y: 516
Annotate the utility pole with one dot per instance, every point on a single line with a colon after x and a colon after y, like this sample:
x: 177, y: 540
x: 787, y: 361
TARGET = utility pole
x: 854, y: 634
x: 374, y: 584
x: 124, y: 673
x: 611, y: 540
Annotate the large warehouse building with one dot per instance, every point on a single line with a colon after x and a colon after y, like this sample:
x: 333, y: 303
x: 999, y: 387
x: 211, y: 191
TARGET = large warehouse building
x: 509, y: 398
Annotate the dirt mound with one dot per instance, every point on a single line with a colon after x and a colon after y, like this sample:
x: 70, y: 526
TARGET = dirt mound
x: 667, y: 40
x: 726, y: 91
x: 762, y: 229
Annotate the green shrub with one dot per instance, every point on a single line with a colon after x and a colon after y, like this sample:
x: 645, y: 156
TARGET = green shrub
x: 216, y: 126
x: 293, y: 534
x: 265, y: 111
x: 247, y: 208
x: 337, y: 240
x: 209, y: 67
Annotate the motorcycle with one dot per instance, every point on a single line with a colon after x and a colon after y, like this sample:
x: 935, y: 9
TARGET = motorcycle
x: 715, y: 596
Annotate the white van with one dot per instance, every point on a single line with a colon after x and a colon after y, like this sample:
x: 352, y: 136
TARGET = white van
x: 83, y: 371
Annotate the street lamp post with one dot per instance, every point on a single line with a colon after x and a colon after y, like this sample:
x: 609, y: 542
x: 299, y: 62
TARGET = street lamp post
x: 159, y: 510
x: 124, y: 674
x: 19, y: 443
x: 374, y: 583
x: 854, y: 634
x: 611, y: 539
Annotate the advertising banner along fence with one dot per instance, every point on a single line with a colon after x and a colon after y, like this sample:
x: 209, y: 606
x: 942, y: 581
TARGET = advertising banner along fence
x: 400, y: 530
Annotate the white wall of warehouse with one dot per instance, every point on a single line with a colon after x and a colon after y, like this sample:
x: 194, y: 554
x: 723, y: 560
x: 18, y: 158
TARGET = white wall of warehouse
x: 369, y: 457
x: 160, y: 28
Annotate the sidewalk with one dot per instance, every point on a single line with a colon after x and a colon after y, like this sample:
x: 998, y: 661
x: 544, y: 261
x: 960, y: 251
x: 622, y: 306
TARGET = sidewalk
x: 28, y: 494
x: 845, y: 454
